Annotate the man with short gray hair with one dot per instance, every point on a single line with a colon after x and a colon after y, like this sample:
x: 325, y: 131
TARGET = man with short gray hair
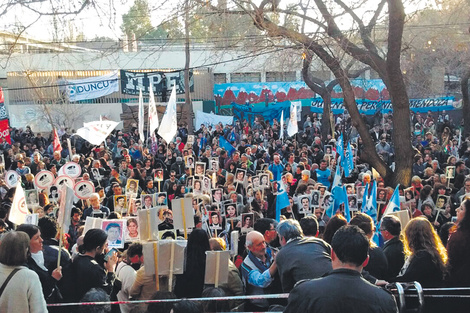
x: 300, y: 258
x: 95, y: 207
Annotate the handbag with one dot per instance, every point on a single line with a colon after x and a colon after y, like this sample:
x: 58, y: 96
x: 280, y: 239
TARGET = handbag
x: 8, y: 279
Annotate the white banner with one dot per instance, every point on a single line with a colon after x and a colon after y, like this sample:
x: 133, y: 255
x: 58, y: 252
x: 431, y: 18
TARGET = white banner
x: 96, y: 132
x: 18, y: 210
x: 168, y: 126
x: 93, y: 87
x: 211, y: 119
x: 292, y: 128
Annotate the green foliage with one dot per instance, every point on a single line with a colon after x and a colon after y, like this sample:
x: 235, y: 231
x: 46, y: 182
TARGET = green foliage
x: 137, y: 20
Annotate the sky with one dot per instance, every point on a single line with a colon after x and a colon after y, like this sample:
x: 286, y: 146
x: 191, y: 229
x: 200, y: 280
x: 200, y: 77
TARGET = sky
x: 102, y: 20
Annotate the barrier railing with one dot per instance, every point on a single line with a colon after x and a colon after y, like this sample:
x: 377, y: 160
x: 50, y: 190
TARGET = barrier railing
x: 403, y: 293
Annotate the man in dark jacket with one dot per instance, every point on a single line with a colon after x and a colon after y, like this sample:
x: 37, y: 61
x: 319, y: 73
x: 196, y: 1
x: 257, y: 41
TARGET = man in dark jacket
x: 343, y: 289
x: 300, y: 258
x: 393, y: 247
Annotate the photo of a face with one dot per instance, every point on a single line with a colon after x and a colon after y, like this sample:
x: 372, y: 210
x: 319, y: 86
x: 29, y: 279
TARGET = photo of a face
x: 217, y: 195
x: 231, y: 210
x: 132, y: 229
x: 148, y: 201
x: 247, y: 222
x: 255, y: 182
x: 189, y: 161
x: 350, y: 189
x: 200, y: 168
x: 215, y: 220
x: 240, y: 175
x: 409, y: 194
x: 206, y: 185
x: 381, y: 195
x: 159, y: 175
x: 189, y: 182
x: 352, y: 201
x: 214, y: 164
x: 197, y: 186
x: 450, y: 172
x: 114, y: 229
x: 264, y: 181
x: 134, y: 206
x: 327, y: 201
x: 441, y: 202
x: 120, y: 204
x: 161, y: 199
x: 31, y: 198
x: 315, y: 198
x: 304, y: 205
x: 360, y: 193
x: 249, y: 191
x: 132, y: 187
x: 328, y: 149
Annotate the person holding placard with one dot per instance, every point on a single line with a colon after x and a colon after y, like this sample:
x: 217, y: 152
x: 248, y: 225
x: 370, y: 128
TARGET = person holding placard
x: 191, y: 283
x: 87, y: 272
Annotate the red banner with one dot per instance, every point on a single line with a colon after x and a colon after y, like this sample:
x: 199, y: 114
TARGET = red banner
x: 5, y: 131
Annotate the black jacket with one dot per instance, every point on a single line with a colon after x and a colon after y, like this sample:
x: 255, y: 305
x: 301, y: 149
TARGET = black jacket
x: 89, y: 274
x: 393, y: 250
x: 341, y: 290
x: 301, y: 259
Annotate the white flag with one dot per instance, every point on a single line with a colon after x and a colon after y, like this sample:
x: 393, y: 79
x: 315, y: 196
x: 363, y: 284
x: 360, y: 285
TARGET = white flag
x: 153, y: 114
x: 169, y: 127
x: 281, y: 131
x: 141, y: 116
x: 96, y: 132
x: 18, y: 209
x: 65, y: 207
x: 292, y: 128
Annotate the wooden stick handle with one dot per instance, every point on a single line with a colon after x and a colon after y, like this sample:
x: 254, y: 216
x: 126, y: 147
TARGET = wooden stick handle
x: 155, y: 257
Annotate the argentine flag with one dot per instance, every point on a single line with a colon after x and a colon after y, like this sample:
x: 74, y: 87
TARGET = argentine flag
x: 282, y: 199
x: 394, y: 203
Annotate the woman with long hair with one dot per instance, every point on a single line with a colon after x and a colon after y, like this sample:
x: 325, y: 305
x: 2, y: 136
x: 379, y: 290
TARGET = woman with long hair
x: 86, y: 268
x: 458, y: 248
x: 335, y: 223
x: 426, y: 256
x: 191, y: 283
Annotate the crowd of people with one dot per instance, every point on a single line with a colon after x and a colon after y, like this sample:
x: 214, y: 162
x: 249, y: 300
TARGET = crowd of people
x: 232, y: 174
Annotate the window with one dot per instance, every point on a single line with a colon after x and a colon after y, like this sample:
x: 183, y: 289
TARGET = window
x: 220, y: 78
x: 280, y: 77
x: 245, y: 77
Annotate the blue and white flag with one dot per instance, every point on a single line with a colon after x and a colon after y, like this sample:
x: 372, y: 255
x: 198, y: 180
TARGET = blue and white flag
x: 337, y: 179
x: 223, y: 143
x: 340, y: 147
x: 282, y: 199
x: 339, y: 197
x: 394, y: 203
x: 369, y: 207
x: 348, y: 162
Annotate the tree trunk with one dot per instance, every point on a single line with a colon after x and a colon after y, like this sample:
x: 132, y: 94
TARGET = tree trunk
x: 325, y: 119
x: 465, y: 103
x: 399, y: 98
x: 187, y: 109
